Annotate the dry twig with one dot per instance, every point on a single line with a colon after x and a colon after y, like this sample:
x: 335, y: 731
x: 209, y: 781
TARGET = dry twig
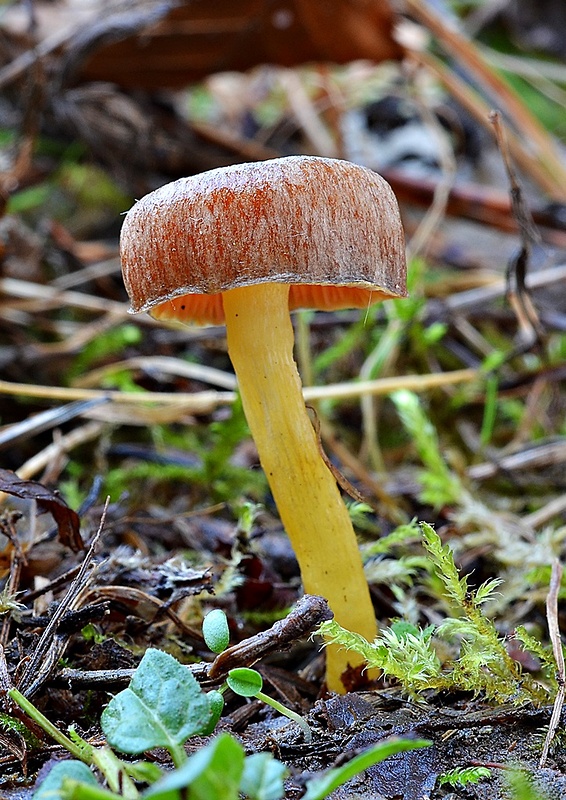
x: 554, y: 632
x: 51, y: 645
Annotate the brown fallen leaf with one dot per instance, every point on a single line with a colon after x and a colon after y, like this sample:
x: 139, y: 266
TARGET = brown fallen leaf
x: 67, y: 520
x: 200, y: 37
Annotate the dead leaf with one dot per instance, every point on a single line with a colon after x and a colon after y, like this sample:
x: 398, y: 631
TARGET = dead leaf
x: 200, y: 37
x: 67, y: 520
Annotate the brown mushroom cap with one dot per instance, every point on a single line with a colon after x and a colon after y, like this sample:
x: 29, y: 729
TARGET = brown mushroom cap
x: 329, y: 228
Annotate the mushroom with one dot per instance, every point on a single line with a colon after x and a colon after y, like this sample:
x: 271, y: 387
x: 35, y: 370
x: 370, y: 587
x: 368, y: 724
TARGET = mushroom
x: 245, y: 245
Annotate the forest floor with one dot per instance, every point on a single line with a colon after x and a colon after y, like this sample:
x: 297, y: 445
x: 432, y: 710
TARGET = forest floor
x: 133, y: 503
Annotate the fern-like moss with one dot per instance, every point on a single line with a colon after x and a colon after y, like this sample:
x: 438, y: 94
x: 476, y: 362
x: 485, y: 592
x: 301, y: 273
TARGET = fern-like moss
x: 408, y: 653
x: 464, y: 776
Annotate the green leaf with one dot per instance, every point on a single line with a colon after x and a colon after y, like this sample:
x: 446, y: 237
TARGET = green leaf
x: 212, y: 773
x: 216, y: 703
x: 464, y: 776
x: 143, y: 771
x: 263, y: 777
x: 522, y: 785
x: 440, y: 486
x: 51, y: 788
x: 162, y: 707
x: 215, y: 630
x: 244, y: 681
x: 320, y: 788
x: 486, y: 591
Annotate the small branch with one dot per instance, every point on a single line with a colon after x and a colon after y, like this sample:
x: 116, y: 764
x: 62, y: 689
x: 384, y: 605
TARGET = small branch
x: 203, y: 402
x: 554, y: 632
x: 307, y: 615
x: 517, y: 293
x: 41, y: 663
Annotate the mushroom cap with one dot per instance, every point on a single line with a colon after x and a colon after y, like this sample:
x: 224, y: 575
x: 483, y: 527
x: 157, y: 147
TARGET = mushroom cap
x: 329, y: 228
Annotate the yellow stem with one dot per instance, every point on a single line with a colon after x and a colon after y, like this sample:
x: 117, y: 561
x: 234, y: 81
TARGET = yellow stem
x: 260, y: 344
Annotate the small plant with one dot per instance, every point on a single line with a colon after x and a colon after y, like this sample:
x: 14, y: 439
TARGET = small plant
x: 440, y: 486
x: 157, y: 713
x: 407, y: 653
x: 383, y: 563
x: 242, y: 680
x: 462, y: 777
x: 163, y: 707
x: 249, y: 683
x: 522, y: 785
